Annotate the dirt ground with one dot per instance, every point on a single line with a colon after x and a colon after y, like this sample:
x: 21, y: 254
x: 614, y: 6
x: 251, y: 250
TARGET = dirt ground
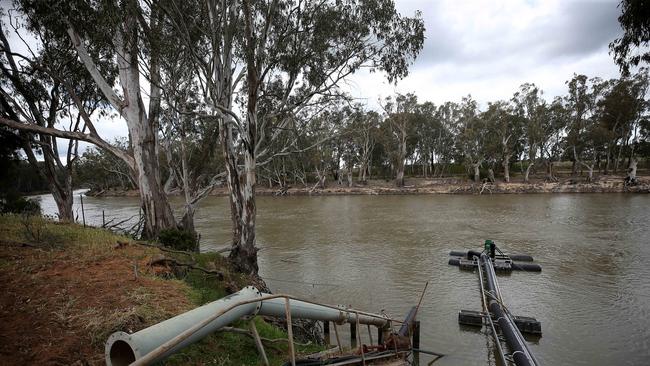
x: 58, y: 308
x: 602, y: 184
x: 609, y: 184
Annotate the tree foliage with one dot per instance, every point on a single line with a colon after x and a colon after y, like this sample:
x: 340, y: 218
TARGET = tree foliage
x: 632, y: 48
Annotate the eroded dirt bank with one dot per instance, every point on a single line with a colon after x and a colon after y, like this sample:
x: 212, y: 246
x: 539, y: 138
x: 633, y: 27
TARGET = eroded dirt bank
x: 609, y: 184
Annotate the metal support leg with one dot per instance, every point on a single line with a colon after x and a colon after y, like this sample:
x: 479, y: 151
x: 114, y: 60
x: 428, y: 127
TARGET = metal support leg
x: 416, y: 342
x: 363, y: 356
x: 353, y: 335
x: 326, y: 332
x: 258, y: 343
x: 338, y: 339
x: 290, y: 331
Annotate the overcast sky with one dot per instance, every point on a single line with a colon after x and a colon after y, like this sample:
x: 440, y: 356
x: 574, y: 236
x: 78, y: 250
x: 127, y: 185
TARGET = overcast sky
x: 489, y: 48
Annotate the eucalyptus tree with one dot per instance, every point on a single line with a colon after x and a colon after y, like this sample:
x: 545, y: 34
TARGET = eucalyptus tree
x: 506, y: 133
x: 553, y: 129
x: 428, y: 130
x: 189, y: 132
x: 364, y: 127
x: 131, y: 33
x: 578, y: 102
x: 109, y: 38
x: 471, y: 139
x: 618, y: 111
x: 642, y: 107
x: 285, y: 56
x: 631, y: 49
x: 443, y: 152
x: 100, y: 170
x: 402, y: 114
x: 43, y: 90
x: 324, y: 132
x: 586, y: 138
x: 531, y: 108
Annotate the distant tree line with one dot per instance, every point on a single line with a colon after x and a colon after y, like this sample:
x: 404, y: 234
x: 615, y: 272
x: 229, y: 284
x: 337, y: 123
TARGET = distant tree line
x: 598, y: 125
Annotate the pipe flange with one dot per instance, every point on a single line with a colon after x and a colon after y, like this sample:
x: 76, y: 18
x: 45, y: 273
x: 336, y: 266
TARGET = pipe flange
x: 258, y: 305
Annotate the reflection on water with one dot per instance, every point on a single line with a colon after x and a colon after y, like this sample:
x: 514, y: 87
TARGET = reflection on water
x: 376, y: 252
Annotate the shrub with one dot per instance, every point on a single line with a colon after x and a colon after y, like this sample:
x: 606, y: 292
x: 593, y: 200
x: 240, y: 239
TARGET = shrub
x: 178, y: 239
x: 19, y: 205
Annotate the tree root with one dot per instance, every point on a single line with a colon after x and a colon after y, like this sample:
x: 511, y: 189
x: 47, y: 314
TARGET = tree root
x: 166, y: 260
x: 17, y: 243
x: 164, y: 249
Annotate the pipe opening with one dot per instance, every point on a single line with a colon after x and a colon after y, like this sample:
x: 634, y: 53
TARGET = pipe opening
x: 121, y: 354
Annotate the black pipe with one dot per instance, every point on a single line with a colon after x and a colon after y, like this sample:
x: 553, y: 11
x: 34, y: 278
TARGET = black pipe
x: 517, y: 266
x: 514, y: 339
x: 521, y: 257
x: 410, y: 319
x: 457, y: 253
x: 473, y: 253
x: 528, y: 267
x: 514, y: 257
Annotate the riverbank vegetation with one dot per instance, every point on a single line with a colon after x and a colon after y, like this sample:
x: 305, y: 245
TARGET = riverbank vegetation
x: 66, y: 288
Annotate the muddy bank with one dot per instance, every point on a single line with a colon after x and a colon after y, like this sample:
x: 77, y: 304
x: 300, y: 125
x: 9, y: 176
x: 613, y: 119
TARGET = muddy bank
x: 609, y: 184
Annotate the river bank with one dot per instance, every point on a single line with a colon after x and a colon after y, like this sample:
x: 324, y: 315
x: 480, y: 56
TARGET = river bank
x: 414, y: 186
x: 66, y: 288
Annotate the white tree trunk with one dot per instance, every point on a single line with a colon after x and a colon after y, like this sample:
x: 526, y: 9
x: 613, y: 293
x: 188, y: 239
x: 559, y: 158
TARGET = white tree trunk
x: 143, y: 133
x: 527, y: 174
x: 631, y: 172
x: 506, y: 168
x: 477, y: 172
x: 401, y: 158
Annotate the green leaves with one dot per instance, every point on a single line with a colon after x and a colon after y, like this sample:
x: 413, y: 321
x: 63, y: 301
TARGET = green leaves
x: 631, y: 49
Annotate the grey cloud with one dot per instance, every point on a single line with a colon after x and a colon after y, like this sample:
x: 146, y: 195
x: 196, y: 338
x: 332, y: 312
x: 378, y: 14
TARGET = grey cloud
x: 576, y: 29
x: 581, y: 29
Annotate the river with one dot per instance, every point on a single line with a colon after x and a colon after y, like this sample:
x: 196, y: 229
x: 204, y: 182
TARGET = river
x: 377, y: 252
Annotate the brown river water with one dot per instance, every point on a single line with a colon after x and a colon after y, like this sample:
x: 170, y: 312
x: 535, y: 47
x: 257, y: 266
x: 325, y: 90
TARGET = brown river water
x: 377, y: 252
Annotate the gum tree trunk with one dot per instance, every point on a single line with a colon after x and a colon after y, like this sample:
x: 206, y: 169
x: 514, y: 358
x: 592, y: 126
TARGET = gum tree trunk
x: 401, y: 157
x: 477, y: 172
x: 491, y: 175
x: 631, y: 172
x: 244, y: 252
x: 143, y: 132
x: 350, y: 175
x: 144, y: 137
x: 527, y: 174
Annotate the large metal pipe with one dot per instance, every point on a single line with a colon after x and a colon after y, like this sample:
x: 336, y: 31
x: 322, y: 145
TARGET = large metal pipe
x: 305, y: 310
x: 123, y: 348
x: 518, y: 347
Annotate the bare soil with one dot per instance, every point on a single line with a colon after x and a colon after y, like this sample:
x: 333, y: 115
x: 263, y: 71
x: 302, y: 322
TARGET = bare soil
x: 58, y: 310
x: 602, y: 184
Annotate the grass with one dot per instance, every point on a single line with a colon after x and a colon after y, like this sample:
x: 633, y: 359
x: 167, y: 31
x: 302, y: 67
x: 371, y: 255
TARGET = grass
x: 75, y: 281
